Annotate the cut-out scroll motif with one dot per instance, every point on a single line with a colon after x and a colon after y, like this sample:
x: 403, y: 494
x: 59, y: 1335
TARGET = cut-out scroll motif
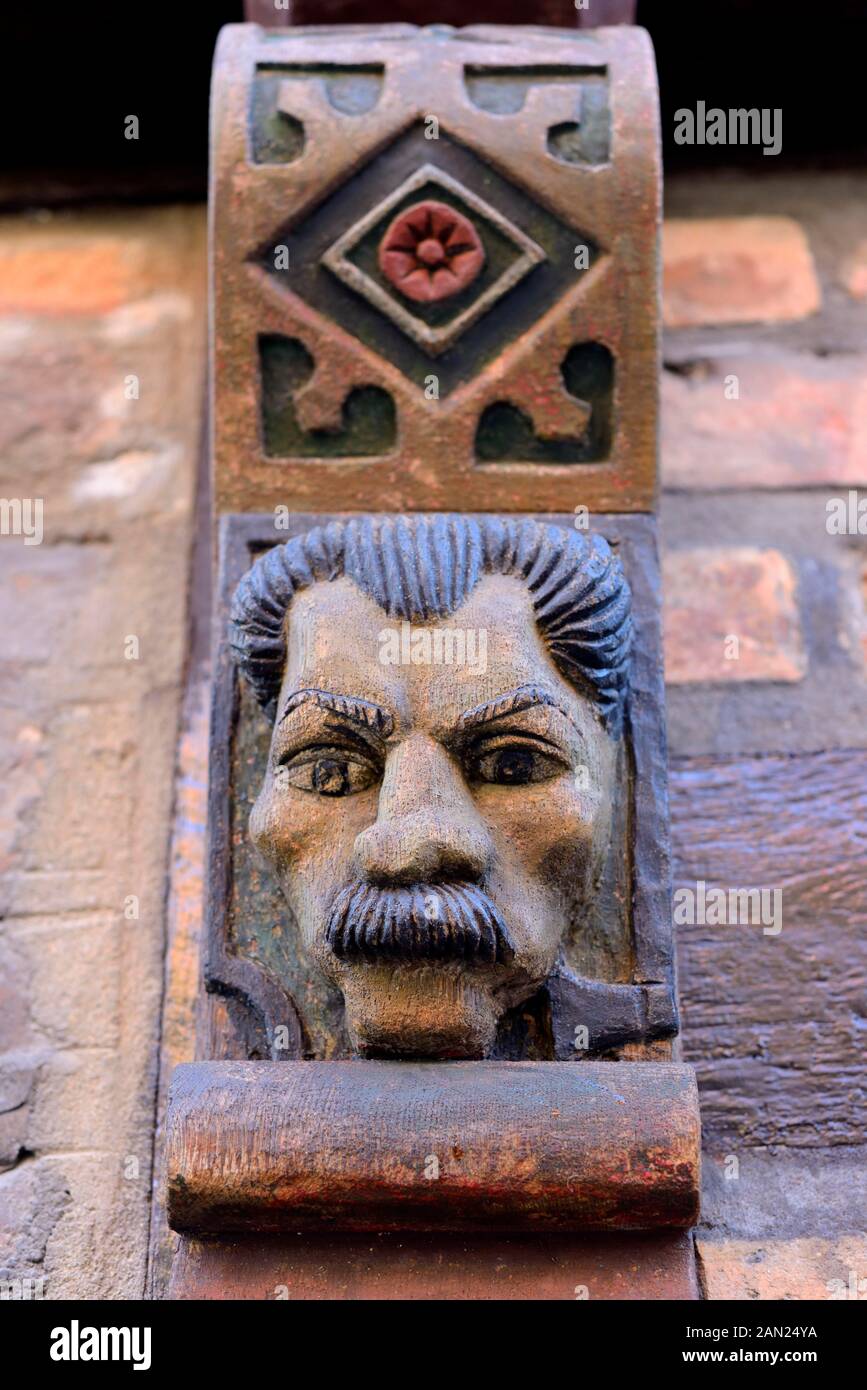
x: 505, y: 433
x: 368, y: 426
x: 583, y: 134
x: 282, y: 96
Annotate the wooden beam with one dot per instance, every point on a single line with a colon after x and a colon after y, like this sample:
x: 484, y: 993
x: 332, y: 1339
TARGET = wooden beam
x: 455, y: 1146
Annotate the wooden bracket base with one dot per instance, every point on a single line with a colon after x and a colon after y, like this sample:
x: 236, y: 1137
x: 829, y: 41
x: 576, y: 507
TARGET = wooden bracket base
x: 432, y: 1146
x: 395, y: 1180
x: 347, y: 378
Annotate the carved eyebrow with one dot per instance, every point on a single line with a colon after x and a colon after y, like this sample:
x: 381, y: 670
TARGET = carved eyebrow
x: 512, y: 702
x: 358, y: 711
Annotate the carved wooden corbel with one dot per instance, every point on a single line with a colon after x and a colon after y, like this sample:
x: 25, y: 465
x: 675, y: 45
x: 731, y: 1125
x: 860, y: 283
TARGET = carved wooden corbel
x: 438, y: 857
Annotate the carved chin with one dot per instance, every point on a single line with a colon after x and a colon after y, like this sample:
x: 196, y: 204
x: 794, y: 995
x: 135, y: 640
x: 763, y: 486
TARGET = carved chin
x: 417, y: 1011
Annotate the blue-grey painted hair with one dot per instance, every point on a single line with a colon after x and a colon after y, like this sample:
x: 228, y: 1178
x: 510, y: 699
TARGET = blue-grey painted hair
x: 423, y: 567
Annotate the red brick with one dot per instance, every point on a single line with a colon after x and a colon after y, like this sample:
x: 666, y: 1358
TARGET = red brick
x: 798, y: 421
x: 736, y: 270
x: 713, y: 595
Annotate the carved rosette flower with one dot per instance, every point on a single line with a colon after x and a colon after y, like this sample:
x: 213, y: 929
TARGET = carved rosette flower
x: 430, y: 252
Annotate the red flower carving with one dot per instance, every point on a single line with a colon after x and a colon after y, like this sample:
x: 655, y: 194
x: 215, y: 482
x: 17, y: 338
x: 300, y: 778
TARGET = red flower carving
x: 431, y: 251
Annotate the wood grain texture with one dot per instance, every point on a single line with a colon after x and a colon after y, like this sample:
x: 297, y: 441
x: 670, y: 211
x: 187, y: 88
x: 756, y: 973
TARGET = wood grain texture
x: 775, y: 1024
x: 461, y: 1146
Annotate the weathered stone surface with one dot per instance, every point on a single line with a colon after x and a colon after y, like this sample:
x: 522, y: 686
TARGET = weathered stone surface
x: 34, y: 1196
x: 80, y: 265
x: 730, y: 615
x: 736, y: 270
x: 186, y: 892
x: 784, y: 1269
x: 101, y: 360
x: 751, y: 421
x: 854, y: 271
x: 780, y: 1193
x: 14, y: 987
x: 17, y: 1077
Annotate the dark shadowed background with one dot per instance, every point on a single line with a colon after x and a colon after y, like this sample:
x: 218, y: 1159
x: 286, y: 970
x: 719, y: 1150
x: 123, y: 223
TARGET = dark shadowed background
x: 67, y: 89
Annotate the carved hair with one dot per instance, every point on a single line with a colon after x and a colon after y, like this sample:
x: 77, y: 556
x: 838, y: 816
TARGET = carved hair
x: 423, y: 567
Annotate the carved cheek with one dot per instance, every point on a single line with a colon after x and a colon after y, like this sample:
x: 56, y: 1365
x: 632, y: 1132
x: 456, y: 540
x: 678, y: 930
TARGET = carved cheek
x: 550, y: 824
x: 294, y: 829
x: 274, y: 834
x: 284, y: 826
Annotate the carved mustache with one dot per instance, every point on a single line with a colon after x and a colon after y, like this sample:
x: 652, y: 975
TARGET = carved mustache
x: 442, y: 921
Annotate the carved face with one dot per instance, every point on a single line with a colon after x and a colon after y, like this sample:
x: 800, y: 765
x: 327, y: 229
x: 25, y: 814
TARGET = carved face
x: 435, y: 824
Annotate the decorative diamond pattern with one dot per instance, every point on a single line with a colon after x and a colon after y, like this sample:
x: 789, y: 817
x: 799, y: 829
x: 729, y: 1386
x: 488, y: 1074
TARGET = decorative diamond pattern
x: 433, y: 338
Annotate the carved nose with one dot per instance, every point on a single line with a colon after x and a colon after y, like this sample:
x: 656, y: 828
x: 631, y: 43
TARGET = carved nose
x: 427, y: 827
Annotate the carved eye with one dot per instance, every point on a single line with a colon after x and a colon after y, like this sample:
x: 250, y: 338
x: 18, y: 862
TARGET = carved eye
x: 514, y: 766
x: 328, y: 773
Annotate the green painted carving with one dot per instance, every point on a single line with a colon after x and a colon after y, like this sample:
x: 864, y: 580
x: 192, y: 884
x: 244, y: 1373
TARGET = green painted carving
x: 369, y: 424
x: 276, y: 133
x: 505, y: 434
